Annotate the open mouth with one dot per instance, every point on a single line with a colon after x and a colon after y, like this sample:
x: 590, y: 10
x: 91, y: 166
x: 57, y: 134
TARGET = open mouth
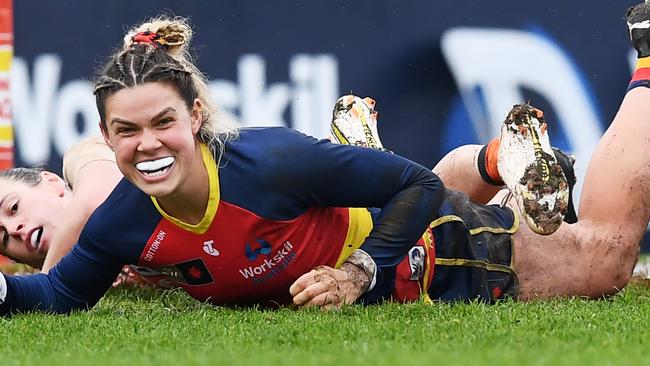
x: 155, y: 168
x: 35, y: 238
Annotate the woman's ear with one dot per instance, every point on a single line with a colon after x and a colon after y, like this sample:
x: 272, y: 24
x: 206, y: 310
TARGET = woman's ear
x: 197, y: 116
x: 53, y: 182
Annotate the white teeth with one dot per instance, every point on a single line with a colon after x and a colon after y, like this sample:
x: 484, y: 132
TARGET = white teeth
x: 157, y: 173
x: 35, y: 238
x: 154, y: 165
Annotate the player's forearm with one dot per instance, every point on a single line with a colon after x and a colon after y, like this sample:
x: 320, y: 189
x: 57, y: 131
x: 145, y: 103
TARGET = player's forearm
x: 32, y: 293
x: 67, y: 234
x: 361, y: 270
x: 89, y: 193
x: 399, y: 226
x: 77, y: 282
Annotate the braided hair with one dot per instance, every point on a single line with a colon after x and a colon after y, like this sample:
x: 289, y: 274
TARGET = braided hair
x: 157, y: 51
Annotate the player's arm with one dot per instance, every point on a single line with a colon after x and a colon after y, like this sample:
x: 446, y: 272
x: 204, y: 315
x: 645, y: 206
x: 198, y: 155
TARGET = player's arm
x: 79, y: 280
x: 94, y: 181
x: 408, y: 194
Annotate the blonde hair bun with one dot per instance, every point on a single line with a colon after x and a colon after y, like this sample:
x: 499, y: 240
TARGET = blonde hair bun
x: 174, y: 34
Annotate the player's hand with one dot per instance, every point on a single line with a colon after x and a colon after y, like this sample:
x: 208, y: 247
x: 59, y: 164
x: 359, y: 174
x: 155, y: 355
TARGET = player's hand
x: 329, y: 288
x: 129, y: 277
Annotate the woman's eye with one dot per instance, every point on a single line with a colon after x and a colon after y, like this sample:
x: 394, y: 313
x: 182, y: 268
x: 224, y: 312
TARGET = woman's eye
x: 123, y: 129
x: 13, y: 208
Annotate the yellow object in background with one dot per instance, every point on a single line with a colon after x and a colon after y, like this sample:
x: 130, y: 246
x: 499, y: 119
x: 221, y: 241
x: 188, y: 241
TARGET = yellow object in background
x: 6, y: 54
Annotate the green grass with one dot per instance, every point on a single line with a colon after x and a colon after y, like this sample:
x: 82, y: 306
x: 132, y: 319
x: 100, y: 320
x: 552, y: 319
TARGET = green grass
x: 141, y: 327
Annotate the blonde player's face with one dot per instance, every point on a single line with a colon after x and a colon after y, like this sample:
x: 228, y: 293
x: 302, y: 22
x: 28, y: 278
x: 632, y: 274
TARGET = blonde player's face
x: 28, y: 217
x: 152, y: 132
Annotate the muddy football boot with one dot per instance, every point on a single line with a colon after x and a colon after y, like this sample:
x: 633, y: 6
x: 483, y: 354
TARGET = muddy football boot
x: 529, y: 169
x: 638, y: 23
x: 567, y: 162
x: 354, y: 122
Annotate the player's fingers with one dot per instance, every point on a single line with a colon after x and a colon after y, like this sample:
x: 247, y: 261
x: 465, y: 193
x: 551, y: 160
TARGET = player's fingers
x: 327, y: 300
x: 302, y: 283
x: 318, y: 274
x: 309, y: 293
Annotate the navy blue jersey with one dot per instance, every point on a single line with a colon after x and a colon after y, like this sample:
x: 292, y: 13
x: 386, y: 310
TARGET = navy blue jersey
x: 280, y: 204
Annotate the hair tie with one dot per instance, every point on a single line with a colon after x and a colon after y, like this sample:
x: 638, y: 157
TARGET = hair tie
x: 148, y: 37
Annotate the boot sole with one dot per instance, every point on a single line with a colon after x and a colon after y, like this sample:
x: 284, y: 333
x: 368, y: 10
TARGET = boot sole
x: 529, y: 169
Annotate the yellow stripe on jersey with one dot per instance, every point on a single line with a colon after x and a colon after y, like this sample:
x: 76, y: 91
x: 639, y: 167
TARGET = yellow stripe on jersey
x: 477, y: 230
x: 213, y: 199
x: 474, y: 263
x: 427, y: 237
x: 358, y: 229
x: 497, y: 230
x: 443, y: 220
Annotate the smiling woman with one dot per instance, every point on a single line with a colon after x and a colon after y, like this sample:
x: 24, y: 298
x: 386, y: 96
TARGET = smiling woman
x: 151, y: 131
x: 200, y: 197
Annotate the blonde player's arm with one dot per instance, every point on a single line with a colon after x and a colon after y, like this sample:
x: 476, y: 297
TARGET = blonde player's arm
x: 93, y: 174
x: 88, y: 194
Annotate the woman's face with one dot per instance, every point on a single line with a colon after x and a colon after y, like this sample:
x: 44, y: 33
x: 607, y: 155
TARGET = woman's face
x: 28, y: 217
x: 152, y: 133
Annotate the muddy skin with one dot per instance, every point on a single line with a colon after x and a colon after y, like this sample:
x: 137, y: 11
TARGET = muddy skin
x: 344, y: 289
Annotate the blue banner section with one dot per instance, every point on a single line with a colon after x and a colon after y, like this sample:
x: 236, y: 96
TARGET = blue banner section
x: 443, y: 73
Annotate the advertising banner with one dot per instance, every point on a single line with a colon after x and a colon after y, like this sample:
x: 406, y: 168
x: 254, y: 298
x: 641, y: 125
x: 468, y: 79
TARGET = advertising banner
x: 443, y: 74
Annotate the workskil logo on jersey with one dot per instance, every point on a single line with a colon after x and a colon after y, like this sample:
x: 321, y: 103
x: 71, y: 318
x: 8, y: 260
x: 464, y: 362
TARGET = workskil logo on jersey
x: 272, y: 263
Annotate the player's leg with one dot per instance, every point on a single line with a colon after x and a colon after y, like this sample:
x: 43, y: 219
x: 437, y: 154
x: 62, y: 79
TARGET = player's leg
x: 460, y: 168
x: 577, y: 260
x: 615, y: 201
x: 550, y: 265
x: 596, y: 256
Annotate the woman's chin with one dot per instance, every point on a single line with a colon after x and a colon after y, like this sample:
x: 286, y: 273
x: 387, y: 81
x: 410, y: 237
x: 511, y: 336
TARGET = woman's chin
x: 160, y: 189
